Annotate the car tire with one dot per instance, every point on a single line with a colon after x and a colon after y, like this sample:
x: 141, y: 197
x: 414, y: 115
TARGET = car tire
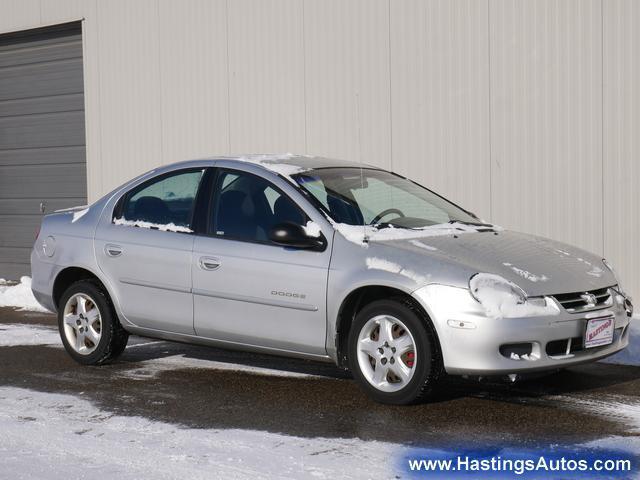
x: 412, y: 359
x: 89, y: 327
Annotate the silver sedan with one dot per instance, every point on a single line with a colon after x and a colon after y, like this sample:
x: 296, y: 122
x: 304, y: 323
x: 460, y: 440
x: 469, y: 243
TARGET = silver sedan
x: 326, y: 260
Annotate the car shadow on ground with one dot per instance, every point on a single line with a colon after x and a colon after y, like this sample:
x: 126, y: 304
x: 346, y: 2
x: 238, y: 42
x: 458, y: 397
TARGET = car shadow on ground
x: 595, y: 377
x: 206, y: 387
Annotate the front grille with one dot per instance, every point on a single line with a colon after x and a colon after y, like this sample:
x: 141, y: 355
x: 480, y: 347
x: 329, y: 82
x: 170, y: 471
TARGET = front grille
x: 585, y: 301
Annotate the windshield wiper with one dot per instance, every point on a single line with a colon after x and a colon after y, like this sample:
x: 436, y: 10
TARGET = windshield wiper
x: 473, y: 224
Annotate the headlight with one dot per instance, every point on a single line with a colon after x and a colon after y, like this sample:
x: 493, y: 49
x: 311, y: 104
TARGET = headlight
x: 504, y: 299
x: 615, y: 275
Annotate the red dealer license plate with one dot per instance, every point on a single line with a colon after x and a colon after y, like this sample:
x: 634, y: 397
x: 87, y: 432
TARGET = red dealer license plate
x: 599, y: 332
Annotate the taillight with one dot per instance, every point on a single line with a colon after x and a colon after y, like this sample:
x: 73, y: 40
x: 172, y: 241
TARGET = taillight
x: 37, y: 232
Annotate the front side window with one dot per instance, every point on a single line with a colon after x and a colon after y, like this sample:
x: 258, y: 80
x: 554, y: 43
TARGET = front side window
x: 247, y: 207
x: 164, y: 204
x: 367, y: 197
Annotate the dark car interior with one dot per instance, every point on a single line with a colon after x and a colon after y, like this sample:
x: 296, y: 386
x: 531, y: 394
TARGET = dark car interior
x: 248, y: 208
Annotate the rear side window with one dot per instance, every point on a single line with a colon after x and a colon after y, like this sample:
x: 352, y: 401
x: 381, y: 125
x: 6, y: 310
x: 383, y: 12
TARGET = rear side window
x: 164, y: 204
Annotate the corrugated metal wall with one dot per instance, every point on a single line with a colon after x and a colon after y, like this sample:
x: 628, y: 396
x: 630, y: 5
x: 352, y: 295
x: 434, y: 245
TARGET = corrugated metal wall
x: 42, y: 151
x: 527, y: 112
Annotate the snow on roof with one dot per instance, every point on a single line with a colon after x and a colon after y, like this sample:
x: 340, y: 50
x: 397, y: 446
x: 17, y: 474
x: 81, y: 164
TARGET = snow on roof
x: 274, y: 163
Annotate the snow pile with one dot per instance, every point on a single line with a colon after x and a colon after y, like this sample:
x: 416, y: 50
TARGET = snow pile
x: 631, y: 354
x: 375, y: 263
x: 19, y: 334
x: 362, y: 234
x: 532, y: 277
x: 501, y: 299
x: 152, y: 368
x: 63, y: 436
x: 312, y: 229
x: 169, y: 227
x: 19, y: 295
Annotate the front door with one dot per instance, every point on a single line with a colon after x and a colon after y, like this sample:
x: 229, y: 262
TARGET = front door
x: 248, y: 290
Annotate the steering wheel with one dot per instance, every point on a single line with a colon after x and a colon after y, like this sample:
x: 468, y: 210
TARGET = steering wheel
x: 386, y: 212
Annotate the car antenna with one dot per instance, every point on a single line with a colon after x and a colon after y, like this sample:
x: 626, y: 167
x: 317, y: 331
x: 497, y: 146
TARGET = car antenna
x: 365, y: 238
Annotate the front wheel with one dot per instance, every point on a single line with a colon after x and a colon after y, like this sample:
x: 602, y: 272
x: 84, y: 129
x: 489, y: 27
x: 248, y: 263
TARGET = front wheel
x: 89, y: 327
x: 393, y: 353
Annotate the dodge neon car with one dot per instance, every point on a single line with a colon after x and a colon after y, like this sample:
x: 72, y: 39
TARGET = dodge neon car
x: 327, y: 260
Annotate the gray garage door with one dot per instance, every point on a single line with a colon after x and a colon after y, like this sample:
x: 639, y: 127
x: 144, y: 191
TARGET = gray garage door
x: 42, y: 142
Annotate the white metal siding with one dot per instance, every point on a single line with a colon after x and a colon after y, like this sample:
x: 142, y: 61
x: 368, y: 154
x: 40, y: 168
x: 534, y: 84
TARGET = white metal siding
x: 526, y: 112
x: 621, y: 75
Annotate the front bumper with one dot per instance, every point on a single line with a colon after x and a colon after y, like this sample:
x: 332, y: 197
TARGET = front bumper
x: 474, y: 344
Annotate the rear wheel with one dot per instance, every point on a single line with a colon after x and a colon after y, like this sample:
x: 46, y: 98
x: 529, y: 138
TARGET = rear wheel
x: 393, y: 353
x: 89, y: 327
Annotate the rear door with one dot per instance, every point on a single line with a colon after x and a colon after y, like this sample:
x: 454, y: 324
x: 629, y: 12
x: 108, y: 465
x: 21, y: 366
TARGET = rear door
x: 248, y: 290
x: 144, y: 247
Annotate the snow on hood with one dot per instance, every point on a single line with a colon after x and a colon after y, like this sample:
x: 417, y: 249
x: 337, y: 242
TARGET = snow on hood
x: 363, y: 234
x: 375, y: 263
x: 537, y: 265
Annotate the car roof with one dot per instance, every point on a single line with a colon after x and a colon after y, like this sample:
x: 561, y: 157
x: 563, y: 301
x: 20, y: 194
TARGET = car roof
x: 306, y: 162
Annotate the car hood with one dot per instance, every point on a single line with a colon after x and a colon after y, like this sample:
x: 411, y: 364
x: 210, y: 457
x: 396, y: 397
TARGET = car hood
x: 538, y: 265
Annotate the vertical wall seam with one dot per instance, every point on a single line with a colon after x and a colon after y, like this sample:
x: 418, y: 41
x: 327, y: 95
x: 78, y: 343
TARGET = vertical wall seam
x: 100, y: 112
x: 390, y: 88
x: 602, y: 116
x: 161, y: 122
x: 228, y: 80
x: 304, y: 78
x: 489, y: 109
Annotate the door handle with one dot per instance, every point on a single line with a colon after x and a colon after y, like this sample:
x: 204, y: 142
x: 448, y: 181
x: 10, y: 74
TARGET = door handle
x: 209, y: 263
x: 113, y: 250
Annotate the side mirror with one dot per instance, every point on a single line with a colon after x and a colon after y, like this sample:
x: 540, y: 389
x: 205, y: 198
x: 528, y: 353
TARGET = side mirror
x: 289, y: 234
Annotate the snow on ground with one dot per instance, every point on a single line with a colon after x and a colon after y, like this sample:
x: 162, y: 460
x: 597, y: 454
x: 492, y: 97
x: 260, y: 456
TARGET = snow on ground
x: 12, y: 335
x: 63, y: 436
x: 621, y: 408
x: 152, y: 368
x: 19, y: 295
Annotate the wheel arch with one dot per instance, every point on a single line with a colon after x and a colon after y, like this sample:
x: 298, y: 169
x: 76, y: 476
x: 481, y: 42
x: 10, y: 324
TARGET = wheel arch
x: 70, y: 275
x: 363, y: 295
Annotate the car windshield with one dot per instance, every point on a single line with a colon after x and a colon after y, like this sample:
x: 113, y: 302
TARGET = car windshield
x: 376, y: 197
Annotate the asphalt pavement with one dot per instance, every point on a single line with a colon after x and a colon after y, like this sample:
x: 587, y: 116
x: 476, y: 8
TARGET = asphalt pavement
x: 206, y: 387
